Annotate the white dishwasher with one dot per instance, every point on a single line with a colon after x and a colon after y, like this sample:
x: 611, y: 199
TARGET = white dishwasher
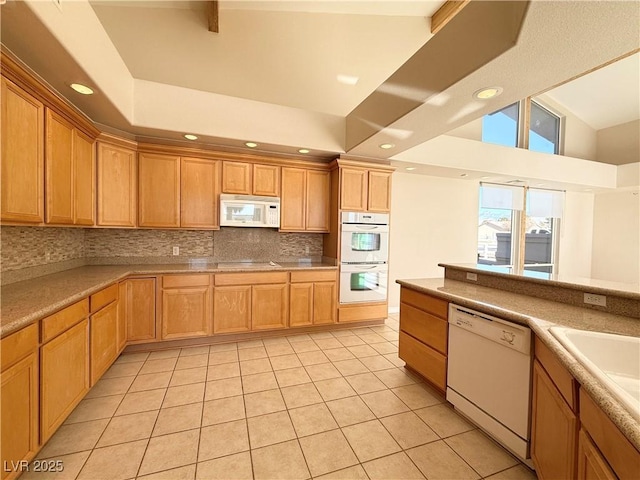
x: 489, y: 375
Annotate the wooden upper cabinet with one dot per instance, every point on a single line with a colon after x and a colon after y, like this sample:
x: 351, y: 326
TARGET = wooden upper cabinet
x: 293, y: 201
x: 266, y: 180
x: 199, y: 193
x: 379, y: 195
x: 236, y: 178
x: 59, y: 169
x: 305, y: 200
x: 317, y: 201
x: 84, y: 179
x: 22, y: 146
x: 117, y: 180
x: 159, y: 190
x: 353, y: 191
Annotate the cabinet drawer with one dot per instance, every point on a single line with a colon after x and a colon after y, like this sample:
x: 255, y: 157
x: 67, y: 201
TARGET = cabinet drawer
x: 19, y: 345
x: 57, y: 323
x: 619, y: 452
x: 432, y: 305
x: 103, y: 297
x: 562, y: 379
x: 313, y: 276
x: 424, y: 326
x: 250, y: 278
x: 178, y: 281
x: 424, y: 360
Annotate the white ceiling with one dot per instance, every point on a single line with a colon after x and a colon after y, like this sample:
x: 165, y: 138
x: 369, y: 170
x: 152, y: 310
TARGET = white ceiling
x: 273, y: 52
x: 270, y: 75
x: 606, y: 97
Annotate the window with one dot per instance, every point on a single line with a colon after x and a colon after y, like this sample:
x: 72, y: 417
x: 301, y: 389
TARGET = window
x: 501, y: 220
x: 544, y: 130
x: 505, y: 128
x: 501, y: 127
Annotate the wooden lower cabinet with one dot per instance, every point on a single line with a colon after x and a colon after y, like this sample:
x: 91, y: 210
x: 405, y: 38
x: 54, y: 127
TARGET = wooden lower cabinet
x: 554, y: 429
x: 428, y: 362
x: 186, y: 310
x: 591, y: 463
x: 122, y: 316
x: 104, y: 340
x: 312, y: 303
x: 269, y: 306
x: 19, y: 392
x: 232, y: 309
x: 141, y: 309
x: 64, y: 376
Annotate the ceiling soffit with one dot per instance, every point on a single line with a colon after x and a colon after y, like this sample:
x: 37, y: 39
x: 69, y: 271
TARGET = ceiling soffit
x: 480, y: 32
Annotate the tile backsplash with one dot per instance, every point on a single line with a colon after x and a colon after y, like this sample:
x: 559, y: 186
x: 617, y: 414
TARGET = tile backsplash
x: 29, y: 252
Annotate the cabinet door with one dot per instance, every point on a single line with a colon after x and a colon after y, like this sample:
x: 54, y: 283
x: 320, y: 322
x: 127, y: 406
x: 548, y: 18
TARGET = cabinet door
x: 232, y: 309
x: 64, y: 376
x: 553, y: 429
x: 84, y: 178
x: 158, y: 190
x: 300, y: 304
x: 269, y: 306
x: 22, y: 146
x: 317, y: 204
x: 379, y: 197
x: 199, y: 193
x: 236, y: 178
x: 186, y: 312
x: 104, y: 340
x: 122, y: 315
x: 292, y: 207
x: 591, y: 463
x: 59, y: 169
x: 266, y: 180
x: 19, y: 392
x: 117, y: 183
x: 324, y: 302
x: 141, y: 310
x: 353, y: 189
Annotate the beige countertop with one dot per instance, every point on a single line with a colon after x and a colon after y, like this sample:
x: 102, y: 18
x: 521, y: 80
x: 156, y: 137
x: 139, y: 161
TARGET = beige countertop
x: 25, y: 302
x: 540, y: 315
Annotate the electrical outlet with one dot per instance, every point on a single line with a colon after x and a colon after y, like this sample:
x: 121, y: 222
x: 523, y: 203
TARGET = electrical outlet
x: 593, y: 299
x: 472, y: 276
x: 306, y: 249
x: 176, y: 250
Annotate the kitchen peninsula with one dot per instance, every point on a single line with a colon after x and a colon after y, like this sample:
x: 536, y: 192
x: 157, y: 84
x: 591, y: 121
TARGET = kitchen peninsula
x: 577, y: 425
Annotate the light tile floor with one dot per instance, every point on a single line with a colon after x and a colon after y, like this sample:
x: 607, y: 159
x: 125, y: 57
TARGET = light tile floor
x: 321, y: 405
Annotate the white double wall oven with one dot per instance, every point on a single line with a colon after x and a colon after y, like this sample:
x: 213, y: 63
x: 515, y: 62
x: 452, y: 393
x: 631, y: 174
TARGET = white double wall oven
x: 364, y: 256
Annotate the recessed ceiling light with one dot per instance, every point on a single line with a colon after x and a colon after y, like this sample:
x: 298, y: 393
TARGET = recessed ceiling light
x: 190, y: 136
x: 387, y: 146
x: 411, y: 168
x: 487, y: 93
x: 347, y: 79
x: 303, y: 150
x: 251, y: 144
x: 83, y: 89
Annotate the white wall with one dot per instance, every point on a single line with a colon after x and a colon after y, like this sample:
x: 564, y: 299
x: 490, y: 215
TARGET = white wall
x: 433, y: 220
x: 576, y: 235
x: 616, y: 237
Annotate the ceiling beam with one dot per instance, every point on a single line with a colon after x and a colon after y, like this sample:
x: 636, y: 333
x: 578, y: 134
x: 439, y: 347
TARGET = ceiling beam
x: 212, y: 15
x: 445, y: 13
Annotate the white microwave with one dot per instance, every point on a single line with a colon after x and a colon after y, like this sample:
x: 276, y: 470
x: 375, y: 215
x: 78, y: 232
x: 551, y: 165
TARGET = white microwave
x: 249, y: 211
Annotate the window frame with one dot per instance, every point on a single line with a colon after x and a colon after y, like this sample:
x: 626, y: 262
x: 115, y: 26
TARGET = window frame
x: 544, y: 106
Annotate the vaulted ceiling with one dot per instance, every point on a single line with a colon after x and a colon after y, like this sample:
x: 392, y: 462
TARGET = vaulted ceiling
x: 323, y: 75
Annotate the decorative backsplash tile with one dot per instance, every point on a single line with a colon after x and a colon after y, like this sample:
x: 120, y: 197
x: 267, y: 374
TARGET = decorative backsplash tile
x: 29, y: 252
x: 101, y: 242
x: 24, y: 247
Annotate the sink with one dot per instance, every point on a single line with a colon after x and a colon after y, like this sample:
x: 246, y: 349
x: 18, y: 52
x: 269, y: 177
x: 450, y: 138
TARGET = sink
x: 248, y: 265
x: 612, y: 359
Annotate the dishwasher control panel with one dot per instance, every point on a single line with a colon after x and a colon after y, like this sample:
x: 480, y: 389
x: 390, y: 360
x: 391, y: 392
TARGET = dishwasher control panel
x: 503, y: 332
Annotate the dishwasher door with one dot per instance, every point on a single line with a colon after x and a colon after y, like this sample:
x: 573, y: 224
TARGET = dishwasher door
x: 489, y: 374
